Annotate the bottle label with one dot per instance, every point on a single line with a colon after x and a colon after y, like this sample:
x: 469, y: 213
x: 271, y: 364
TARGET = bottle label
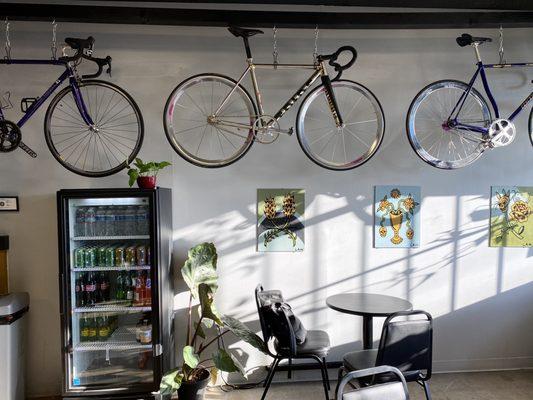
x: 104, y: 332
x: 92, y: 333
x: 90, y: 288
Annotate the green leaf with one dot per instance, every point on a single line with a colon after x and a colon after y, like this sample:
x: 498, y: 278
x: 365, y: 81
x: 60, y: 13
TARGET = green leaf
x: 138, y: 163
x: 244, y: 333
x: 171, y: 381
x: 163, y: 164
x: 133, y: 174
x: 199, y: 329
x: 225, y: 361
x: 190, y: 357
x: 206, y: 303
x: 200, y: 267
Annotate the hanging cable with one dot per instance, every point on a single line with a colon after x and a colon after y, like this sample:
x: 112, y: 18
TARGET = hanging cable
x: 275, y: 46
x: 53, y: 48
x: 7, y: 45
x: 501, y: 52
x: 315, y: 51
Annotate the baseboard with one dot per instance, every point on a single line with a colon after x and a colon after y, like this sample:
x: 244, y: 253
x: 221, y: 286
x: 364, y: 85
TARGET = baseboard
x: 485, y: 364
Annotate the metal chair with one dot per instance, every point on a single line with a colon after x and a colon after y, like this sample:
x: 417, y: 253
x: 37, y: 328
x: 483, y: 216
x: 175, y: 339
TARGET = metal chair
x: 386, y: 391
x: 316, y: 345
x: 406, y: 345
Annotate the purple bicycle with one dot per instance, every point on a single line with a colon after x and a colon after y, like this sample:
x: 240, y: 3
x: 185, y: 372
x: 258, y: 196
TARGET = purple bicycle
x: 450, y: 124
x: 92, y: 127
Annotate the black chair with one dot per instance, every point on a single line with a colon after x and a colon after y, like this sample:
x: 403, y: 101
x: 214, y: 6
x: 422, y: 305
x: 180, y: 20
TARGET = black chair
x: 316, y: 345
x: 396, y: 390
x: 406, y: 345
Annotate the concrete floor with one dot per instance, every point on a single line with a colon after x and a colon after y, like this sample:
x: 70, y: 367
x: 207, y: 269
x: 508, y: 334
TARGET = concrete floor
x: 506, y: 385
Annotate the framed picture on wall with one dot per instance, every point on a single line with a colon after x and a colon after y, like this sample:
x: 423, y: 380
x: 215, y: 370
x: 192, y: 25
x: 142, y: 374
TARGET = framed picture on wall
x: 511, y: 216
x: 280, y: 220
x: 396, y: 216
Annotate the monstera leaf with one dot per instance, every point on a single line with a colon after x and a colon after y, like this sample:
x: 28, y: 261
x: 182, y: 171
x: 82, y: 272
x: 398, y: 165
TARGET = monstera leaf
x: 201, y: 267
x: 206, y: 303
x: 171, y: 381
x: 225, y: 361
x: 244, y: 333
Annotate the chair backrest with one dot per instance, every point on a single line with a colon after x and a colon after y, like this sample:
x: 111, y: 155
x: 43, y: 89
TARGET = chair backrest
x: 407, y: 345
x: 396, y: 390
x: 274, y: 320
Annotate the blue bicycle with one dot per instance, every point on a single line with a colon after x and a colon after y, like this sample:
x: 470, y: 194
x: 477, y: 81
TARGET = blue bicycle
x: 450, y: 124
x: 92, y: 127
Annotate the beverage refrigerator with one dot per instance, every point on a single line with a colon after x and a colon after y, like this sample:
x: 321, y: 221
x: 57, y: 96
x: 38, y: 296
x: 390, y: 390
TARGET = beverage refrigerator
x: 115, y: 291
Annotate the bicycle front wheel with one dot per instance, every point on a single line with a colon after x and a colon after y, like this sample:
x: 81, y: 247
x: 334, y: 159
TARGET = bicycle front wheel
x: 430, y: 133
x: 103, y: 149
x: 347, y: 146
x: 196, y: 133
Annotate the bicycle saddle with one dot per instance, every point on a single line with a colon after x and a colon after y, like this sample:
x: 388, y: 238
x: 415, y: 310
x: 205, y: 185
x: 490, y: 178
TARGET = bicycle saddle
x: 243, y: 32
x: 80, y: 44
x: 465, y: 39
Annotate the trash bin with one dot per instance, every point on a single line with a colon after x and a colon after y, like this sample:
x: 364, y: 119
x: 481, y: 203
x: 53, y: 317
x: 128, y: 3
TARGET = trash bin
x: 13, y: 308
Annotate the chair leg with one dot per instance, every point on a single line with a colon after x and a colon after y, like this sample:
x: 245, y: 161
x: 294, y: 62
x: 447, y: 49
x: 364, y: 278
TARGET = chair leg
x: 426, y: 390
x: 326, y: 371
x: 324, y: 378
x: 339, y: 377
x: 270, y: 377
x: 270, y: 369
x: 289, y: 371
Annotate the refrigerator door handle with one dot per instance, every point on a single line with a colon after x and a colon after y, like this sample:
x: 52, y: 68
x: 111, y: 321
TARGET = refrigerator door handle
x: 158, y: 350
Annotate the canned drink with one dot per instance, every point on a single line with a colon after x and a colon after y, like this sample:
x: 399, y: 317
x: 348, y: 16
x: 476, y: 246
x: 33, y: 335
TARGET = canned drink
x: 110, y: 256
x: 90, y: 257
x: 141, y: 255
x: 119, y: 256
x: 101, y: 256
x: 79, y: 257
x: 130, y: 256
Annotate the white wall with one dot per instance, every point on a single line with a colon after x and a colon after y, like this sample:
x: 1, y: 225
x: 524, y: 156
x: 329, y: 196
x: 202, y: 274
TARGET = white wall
x: 481, y: 297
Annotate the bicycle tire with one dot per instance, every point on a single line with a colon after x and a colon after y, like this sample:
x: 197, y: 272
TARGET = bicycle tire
x: 94, y: 174
x: 531, y: 126
x: 170, y: 135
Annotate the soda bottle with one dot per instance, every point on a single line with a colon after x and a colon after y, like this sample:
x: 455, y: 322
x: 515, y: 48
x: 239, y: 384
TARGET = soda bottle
x: 90, y: 222
x: 148, y: 291
x: 129, y: 257
x: 100, y: 223
x: 104, y: 330
x: 119, y: 256
x: 110, y: 256
x: 141, y: 220
x: 101, y: 256
x: 79, y: 257
x: 138, y: 294
x: 130, y: 287
x: 93, y: 328
x: 148, y: 256
x: 120, y: 291
x: 80, y: 291
x: 90, y: 289
x: 129, y: 221
x: 90, y: 257
x: 119, y: 221
x: 104, y: 286
x: 84, y: 329
x: 141, y: 255
x: 79, y: 227
x: 110, y: 222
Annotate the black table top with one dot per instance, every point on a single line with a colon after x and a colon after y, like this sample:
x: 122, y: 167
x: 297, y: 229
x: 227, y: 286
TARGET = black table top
x: 367, y: 304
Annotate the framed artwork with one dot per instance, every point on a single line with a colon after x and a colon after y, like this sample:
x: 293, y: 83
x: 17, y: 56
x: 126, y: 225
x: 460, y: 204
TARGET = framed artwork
x: 511, y: 216
x: 280, y: 220
x: 396, y: 216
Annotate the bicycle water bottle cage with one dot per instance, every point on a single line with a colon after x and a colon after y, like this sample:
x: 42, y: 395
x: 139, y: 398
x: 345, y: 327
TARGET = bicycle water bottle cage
x: 332, y: 60
x: 5, y: 102
x: 26, y: 103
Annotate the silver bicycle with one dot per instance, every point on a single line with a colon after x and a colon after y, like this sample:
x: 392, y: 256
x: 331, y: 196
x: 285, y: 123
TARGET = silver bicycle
x: 212, y: 121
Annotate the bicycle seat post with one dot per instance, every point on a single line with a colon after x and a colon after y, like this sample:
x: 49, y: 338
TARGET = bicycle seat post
x: 475, y: 45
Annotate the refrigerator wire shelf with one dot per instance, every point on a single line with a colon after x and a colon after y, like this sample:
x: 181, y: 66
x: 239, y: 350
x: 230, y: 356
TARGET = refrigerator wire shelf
x: 122, y: 339
x: 112, y: 308
x: 121, y: 237
x: 124, y: 268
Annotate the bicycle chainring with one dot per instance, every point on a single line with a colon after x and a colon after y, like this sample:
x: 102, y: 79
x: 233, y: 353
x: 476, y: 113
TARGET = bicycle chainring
x: 502, y: 132
x: 266, y: 129
x: 10, y: 136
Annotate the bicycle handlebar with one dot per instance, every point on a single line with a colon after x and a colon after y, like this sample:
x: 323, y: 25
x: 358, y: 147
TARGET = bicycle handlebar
x: 333, y: 58
x: 101, y: 62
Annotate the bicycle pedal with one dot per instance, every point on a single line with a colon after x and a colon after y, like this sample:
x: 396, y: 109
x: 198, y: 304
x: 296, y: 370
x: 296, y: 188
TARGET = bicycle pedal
x: 287, y: 132
x: 24, y: 146
x: 26, y: 103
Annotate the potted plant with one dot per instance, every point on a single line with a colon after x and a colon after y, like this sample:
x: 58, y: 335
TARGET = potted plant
x: 204, y: 354
x: 145, y: 173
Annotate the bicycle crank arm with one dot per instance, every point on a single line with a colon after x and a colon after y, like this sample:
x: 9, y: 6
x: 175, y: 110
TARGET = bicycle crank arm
x: 24, y: 146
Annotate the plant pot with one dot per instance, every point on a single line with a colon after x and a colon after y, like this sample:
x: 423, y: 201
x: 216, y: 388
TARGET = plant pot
x: 146, y: 182
x: 194, y: 390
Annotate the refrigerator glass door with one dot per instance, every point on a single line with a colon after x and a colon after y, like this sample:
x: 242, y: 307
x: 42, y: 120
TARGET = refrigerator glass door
x: 109, y: 282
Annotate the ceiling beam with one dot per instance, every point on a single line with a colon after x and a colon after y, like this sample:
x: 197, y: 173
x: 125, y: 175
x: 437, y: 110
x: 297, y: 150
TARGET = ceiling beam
x: 285, y: 19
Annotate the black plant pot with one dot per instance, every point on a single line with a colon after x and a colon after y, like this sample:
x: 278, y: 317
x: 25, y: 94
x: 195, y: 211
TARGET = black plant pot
x: 194, y: 390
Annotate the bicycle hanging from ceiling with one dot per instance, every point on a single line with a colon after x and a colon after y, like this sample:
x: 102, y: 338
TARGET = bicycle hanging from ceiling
x: 212, y: 121
x: 92, y: 127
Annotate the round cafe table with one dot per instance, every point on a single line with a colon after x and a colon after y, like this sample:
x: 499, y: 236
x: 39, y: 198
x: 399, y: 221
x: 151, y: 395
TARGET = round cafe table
x: 367, y: 305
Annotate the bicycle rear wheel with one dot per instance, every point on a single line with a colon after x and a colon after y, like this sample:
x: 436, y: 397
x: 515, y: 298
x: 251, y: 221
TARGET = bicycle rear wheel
x: 348, y: 146
x: 107, y: 147
x: 531, y: 126
x: 199, y: 136
x: 433, y: 139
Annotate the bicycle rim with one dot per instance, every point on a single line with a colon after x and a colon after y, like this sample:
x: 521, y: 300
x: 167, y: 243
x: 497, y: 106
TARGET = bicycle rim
x: 531, y: 126
x: 192, y: 132
x: 108, y: 148
x: 352, y: 144
x: 438, y: 144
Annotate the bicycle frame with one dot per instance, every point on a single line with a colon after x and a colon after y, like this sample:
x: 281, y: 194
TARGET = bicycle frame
x: 480, y: 71
x: 319, y: 71
x: 69, y: 73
